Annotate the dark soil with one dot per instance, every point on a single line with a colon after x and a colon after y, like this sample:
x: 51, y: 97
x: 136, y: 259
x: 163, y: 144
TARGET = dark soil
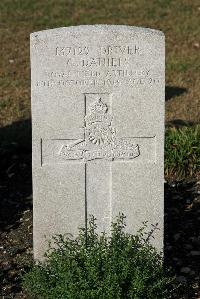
x: 182, y: 223
x: 182, y: 233
x: 15, y: 211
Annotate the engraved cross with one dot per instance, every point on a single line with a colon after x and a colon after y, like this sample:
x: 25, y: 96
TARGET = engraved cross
x: 100, y: 147
x: 99, y: 151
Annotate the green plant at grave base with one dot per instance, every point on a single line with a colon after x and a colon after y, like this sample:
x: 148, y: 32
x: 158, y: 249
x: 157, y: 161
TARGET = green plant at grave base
x: 182, y: 151
x: 115, y: 267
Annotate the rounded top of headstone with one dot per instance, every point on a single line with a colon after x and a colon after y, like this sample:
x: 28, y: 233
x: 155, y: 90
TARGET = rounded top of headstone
x: 97, y: 28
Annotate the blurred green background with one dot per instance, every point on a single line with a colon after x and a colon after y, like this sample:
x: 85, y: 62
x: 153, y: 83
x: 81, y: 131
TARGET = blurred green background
x: 178, y: 19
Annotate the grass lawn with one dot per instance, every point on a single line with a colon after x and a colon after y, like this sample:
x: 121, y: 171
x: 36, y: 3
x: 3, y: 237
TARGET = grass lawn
x: 179, y: 19
x: 182, y: 152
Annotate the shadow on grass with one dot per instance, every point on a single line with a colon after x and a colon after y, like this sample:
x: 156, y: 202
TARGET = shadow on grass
x: 182, y: 232
x: 173, y: 91
x: 178, y: 123
x: 15, y: 173
x: 182, y: 205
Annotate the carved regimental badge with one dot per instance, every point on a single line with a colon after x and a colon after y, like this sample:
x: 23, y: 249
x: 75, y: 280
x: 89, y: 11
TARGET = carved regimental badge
x: 100, y: 139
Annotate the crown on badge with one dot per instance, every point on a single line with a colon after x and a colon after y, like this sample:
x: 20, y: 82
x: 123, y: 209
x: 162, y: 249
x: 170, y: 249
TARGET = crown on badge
x: 98, y: 113
x: 98, y: 107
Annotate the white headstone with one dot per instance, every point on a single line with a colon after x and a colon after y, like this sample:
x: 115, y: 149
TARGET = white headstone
x: 98, y: 128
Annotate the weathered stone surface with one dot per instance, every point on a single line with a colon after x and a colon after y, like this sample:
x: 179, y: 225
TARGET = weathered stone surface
x: 98, y: 128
